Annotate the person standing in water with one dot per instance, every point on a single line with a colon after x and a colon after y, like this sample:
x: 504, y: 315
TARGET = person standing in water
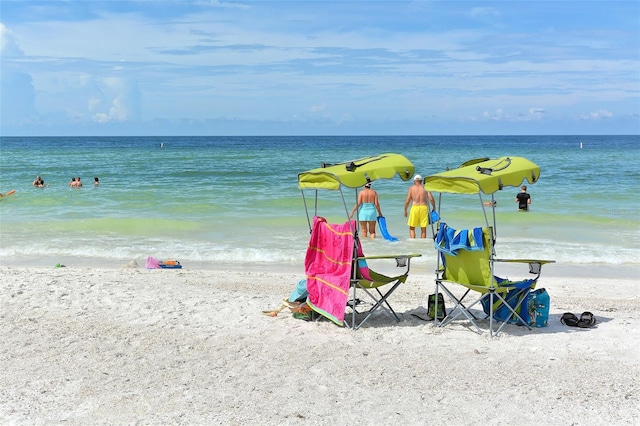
x: 367, y: 207
x: 523, y: 199
x: 419, y: 215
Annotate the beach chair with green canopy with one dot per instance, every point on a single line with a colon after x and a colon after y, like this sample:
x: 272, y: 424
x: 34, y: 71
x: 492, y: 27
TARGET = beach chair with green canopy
x: 358, y: 280
x: 467, y: 257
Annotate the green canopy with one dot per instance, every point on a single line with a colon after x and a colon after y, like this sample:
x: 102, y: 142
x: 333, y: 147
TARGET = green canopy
x: 356, y: 173
x: 484, y: 175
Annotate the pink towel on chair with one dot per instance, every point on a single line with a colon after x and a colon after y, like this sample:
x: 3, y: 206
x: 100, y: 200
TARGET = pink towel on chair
x: 328, y: 268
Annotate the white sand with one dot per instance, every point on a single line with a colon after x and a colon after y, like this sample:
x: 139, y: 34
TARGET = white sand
x: 190, y: 347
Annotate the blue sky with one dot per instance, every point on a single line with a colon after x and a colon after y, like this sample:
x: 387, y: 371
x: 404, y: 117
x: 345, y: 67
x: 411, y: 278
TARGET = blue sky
x: 319, y: 67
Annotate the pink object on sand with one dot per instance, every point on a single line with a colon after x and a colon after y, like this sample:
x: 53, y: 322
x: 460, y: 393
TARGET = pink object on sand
x: 153, y: 263
x: 328, y: 268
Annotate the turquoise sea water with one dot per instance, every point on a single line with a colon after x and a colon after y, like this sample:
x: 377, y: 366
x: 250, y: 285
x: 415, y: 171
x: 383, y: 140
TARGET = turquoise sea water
x: 234, y: 200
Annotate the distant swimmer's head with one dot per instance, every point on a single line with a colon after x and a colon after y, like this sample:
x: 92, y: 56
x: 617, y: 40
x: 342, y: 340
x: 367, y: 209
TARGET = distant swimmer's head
x: 417, y: 178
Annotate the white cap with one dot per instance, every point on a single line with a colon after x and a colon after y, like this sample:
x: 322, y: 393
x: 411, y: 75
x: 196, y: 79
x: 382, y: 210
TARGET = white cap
x: 417, y: 177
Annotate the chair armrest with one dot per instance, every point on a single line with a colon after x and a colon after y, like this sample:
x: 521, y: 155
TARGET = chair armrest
x: 390, y: 256
x: 535, y: 265
x: 402, y: 260
x: 542, y: 262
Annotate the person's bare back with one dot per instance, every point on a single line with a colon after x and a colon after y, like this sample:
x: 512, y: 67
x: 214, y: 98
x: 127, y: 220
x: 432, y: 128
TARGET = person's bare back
x: 368, y: 195
x: 418, y: 195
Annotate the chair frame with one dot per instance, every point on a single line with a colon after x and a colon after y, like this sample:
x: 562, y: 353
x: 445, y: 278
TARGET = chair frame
x: 358, y: 282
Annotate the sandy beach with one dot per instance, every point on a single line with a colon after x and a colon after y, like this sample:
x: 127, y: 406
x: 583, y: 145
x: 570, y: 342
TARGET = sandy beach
x: 191, y: 347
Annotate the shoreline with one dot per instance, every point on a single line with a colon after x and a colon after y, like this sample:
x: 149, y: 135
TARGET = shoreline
x: 423, y: 266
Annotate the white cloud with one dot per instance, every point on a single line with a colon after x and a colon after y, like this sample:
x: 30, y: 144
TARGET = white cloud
x: 121, y: 96
x: 596, y: 115
x: 497, y: 115
x: 8, y: 44
x: 532, y: 114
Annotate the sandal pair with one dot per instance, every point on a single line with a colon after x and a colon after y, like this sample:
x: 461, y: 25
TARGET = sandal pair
x: 586, y: 320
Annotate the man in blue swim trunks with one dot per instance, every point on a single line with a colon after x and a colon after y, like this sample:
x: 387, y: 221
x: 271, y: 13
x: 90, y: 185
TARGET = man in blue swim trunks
x: 368, y: 211
x: 419, y: 215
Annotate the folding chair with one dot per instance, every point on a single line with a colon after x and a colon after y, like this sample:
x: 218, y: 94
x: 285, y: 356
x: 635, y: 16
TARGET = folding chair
x: 468, y: 260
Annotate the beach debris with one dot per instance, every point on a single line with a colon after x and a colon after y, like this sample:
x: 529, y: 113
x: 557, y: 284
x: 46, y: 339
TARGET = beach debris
x: 60, y: 265
x: 299, y: 310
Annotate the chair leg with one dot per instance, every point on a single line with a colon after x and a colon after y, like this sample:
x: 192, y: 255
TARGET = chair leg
x: 520, y: 296
x: 494, y: 298
x: 458, y: 309
x: 380, y: 302
x: 384, y: 298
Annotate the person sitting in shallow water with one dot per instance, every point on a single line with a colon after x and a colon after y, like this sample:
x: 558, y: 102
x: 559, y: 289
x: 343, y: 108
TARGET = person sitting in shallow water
x: 75, y: 182
x: 38, y: 182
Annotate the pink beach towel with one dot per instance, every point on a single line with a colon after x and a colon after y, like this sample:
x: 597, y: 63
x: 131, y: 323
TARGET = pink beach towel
x: 328, y: 268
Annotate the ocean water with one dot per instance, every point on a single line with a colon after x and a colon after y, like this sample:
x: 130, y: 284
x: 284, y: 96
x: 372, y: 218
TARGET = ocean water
x: 234, y: 201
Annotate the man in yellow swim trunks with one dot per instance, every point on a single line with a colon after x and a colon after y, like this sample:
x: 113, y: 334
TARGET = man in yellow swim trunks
x: 419, y: 215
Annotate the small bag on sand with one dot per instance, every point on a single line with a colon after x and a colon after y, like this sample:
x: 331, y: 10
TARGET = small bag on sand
x: 431, y: 306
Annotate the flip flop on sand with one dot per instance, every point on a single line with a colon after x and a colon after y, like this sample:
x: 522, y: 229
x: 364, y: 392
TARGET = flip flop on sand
x: 587, y: 320
x: 569, y: 319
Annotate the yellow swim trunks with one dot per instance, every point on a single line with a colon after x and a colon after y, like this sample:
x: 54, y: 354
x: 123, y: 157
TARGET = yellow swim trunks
x: 418, y: 217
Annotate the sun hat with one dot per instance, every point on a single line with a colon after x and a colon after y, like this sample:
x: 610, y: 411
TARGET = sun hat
x: 417, y: 177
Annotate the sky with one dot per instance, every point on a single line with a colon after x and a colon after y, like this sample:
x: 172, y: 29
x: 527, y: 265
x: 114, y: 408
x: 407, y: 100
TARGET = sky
x: 165, y: 68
